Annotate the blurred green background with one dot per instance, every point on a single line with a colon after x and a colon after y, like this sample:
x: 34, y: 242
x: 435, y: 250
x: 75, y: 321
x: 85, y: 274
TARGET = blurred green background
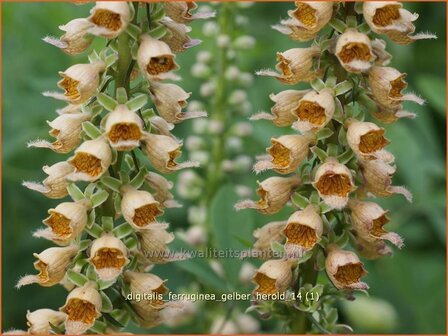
x: 413, y: 280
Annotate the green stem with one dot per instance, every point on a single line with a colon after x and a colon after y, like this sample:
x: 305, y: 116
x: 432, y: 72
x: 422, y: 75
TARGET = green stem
x: 124, y: 62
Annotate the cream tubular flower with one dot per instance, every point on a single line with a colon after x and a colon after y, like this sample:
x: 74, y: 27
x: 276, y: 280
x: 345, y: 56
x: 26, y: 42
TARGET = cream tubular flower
x: 124, y: 129
x: 65, y: 222
x: 387, y: 84
x: 67, y: 130
x: 391, y: 19
x: 79, y: 83
x: 162, y: 151
x: 314, y: 110
x: 273, y: 276
x: 139, y: 208
x: 286, y: 153
x: 153, y: 245
x: 155, y: 59
x: 55, y: 185
x: 286, y: 102
x: 39, y: 321
x: 274, y: 193
x: 180, y: 11
x: 367, y: 141
x: 109, y: 256
x: 179, y: 41
x: 390, y: 115
x: 344, y: 268
x: 368, y: 219
x: 306, y: 20
x: 169, y: 100
x: 372, y: 249
x: 76, y: 38
x: 334, y: 182
x: 110, y: 18
x: 52, y: 265
x: 91, y: 160
x: 377, y: 176
x: 267, y: 234
x: 294, y: 65
x: 162, y: 187
x: 82, y: 306
x: 354, y: 51
x: 303, y: 231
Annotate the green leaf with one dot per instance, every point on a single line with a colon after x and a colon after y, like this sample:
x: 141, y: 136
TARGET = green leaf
x: 332, y: 150
x: 147, y: 114
x: 299, y: 200
x: 317, y: 84
x: 346, y: 156
x: 95, y: 231
x: 351, y: 21
x: 343, y: 87
x: 74, y: 192
x: 158, y: 32
x: 342, y: 137
x: 121, y: 95
x: 56, y: 329
x: 364, y: 28
x: 133, y: 264
x: 84, y: 244
x: 76, y: 278
x: 331, y: 81
x: 131, y: 243
x: 117, y: 203
x: 107, y: 306
x: 105, y: 284
x: 111, y: 183
x: 94, y: 57
x: 90, y: 130
x: 324, y: 133
x: 91, y: 218
x: 107, y: 223
x: 320, y: 153
x: 88, y: 191
x: 129, y: 161
x: 107, y: 102
x: 138, y: 180
x: 91, y: 273
x: 99, y: 198
x: 315, y: 198
x: 324, y: 207
x: 99, y: 327
x: 137, y: 102
x: 338, y: 25
x: 122, y: 231
x: 121, y: 316
x: 111, y: 59
x: 134, y: 31
x: 157, y: 13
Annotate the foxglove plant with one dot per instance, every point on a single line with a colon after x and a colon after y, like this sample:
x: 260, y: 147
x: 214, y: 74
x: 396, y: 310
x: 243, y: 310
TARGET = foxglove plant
x: 110, y: 233
x: 334, y: 162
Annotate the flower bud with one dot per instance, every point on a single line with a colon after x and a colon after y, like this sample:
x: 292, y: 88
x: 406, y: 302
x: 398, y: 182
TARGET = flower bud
x: 367, y: 141
x: 368, y: 219
x: 314, y: 111
x: 91, y: 160
x: 52, y: 265
x: 39, y: 321
x: 306, y: 20
x: 273, y: 276
x: 247, y: 271
x: 204, y: 56
x: 286, y: 102
x: 180, y: 11
x: 377, y: 176
x: 294, y: 65
x: 79, y: 83
x: 354, y: 51
x: 245, y: 42
x: 178, y: 39
x: 83, y: 306
x: 153, y: 245
x: 274, y: 193
x: 162, y: 151
x: 223, y: 41
x: 55, y: 185
x: 201, y: 70
x: 124, y: 129
x: 286, y: 153
x: 210, y: 28
x: 265, y: 236
x: 169, y: 100
x: 334, y: 182
x: 161, y: 187
x: 139, y: 208
x: 386, y: 85
x: 197, y: 215
x: 110, y: 18
x: 189, y: 185
x: 155, y: 59
x: 207, y: 89
x: 196, y: 236
x: 391, y: 19
x: 108, y: 255
x: 344, y: 268
x: 65, y: 222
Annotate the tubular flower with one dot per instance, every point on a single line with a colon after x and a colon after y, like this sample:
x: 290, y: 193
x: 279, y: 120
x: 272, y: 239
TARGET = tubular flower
x: 273, y: 276
x: 82, y: 306
x: 91, y: 160
x: 294, y: 65
x: 368, y: 220
x: 139, y: 208
x: 170, y: 99
x: 390, y: 115
x: 65, y: 222
x: 354, y: 51
x: 391, y: 19
x: 387, y: 84
x: 379, y: 50
x: 40, y: 321
x: 155, y: 59
x: 154, y: 245
x: 161, y: 187
x: 67, y: 130
x: 179, y: 41
x: 274, y: 193
x: 79, y: 83
x: 377, y: 176
x: 269, y: 233
x: 109, y: 18
x: 334, y: 182
x: 314, y: 111
x: 302, y: 231
x: 55, y: 185
x: 372, y: 250
x: 306, y: 20
x: 367, y: 141
x: 162, y: 151
x: 108, y: 255
x: 124, y: 129
x: 286, y: 153
x: 344, y: 268
x: 180, y: 11
x: 52, y: 265
x: 286, y: 102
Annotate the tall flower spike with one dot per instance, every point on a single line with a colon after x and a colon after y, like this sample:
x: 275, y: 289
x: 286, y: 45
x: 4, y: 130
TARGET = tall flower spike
x: 40, y: 321
x: 274, y: 193
x: 110, y: 18
x: 391, y: 19
x: 180, y: 11
x: 273, y: 276
x: 354, y: 51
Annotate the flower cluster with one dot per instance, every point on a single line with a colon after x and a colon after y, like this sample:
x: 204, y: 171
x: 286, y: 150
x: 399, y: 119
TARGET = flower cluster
x: 110, y: 131
x: 335, y: 160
